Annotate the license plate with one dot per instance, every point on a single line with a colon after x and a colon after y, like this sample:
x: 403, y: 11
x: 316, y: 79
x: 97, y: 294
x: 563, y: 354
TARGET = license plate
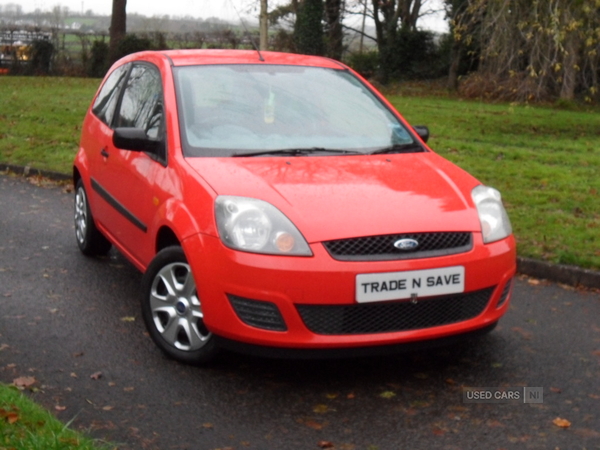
x: 376, y: 287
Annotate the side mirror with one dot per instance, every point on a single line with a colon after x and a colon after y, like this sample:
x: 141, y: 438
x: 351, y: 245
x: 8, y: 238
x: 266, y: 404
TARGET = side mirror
x: 135, y: 139
x: 422, y: 131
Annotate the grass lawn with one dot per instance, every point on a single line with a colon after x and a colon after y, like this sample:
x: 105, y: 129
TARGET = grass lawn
x: 40, y: 119
x: 544, y: 160
x: 26, y: 426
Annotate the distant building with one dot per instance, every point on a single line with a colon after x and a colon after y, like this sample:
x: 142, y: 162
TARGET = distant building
x: 15, y: 45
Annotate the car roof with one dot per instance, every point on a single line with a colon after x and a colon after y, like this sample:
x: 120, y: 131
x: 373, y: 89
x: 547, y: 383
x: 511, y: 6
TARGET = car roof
x: 214, y: 56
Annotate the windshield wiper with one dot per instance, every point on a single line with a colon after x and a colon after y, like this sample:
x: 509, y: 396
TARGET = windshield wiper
x: 298, y: 152
x: 413, y: 147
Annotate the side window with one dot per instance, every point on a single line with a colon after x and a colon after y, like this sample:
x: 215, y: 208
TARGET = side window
x: 104, y: 106
x: 142, y: 106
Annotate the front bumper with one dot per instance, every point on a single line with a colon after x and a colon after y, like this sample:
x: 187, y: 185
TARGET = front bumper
x: 292, y: 285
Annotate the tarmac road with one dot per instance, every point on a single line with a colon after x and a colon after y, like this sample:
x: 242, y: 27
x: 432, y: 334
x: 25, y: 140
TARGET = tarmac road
x: 73, y: 323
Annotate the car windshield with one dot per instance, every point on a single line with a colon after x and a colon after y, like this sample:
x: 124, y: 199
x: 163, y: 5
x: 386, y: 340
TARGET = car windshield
x: 234, y: 110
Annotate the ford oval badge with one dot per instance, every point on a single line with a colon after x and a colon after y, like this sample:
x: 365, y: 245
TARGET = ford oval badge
x: 406, y: 244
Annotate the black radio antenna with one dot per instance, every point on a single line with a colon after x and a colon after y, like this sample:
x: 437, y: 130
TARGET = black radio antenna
x: 260, y: 57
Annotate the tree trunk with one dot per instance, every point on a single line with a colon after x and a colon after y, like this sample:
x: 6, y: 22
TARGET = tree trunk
x: 264, y: 25
x: 333, y: 14
x: 409, y: 13
x: 567, y: 91
x: 455, y: 56
x: 118, y: 27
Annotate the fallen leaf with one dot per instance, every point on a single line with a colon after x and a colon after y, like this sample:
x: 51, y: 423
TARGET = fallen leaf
x: 314, y: 425
x: 562, y: 423
x: 351, y: 395
x: 347, y: 447
x: 128, y: 389
x: 492, y: 423
x: 555, y: 390
x: 10, y: 416
x: 533, y: 281
x: 207, y: 425
x: 128, y: 319
x: 325, y: 444
x: 73, y: 375
x: 524, y: 333
x: 321, y: 409
x: 96, y: 375
x: 420, y: 404
x: 438, y: 431
x: 60, y: 408
x: 331, y: 396
x: 387, y: 394
x: 24, y: 382
x: 108, y: 408
x: 3, y: 347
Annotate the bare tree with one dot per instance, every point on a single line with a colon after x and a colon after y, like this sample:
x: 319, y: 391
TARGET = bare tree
x: 389, y: 17
x: 534, y: 49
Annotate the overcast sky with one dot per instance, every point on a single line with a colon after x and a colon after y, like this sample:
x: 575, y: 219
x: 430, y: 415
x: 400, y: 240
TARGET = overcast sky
x: 223, y: 9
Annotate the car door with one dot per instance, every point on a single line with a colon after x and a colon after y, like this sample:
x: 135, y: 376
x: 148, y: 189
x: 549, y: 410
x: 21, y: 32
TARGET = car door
x: 125, y: 182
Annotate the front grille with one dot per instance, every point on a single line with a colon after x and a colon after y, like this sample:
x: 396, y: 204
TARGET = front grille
x: 381, y: 248
x: 385, y: 317
x: 258, y: 313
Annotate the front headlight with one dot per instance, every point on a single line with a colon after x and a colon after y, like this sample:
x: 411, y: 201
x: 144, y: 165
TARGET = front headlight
x: 495, y: 224
x: 256, y: 226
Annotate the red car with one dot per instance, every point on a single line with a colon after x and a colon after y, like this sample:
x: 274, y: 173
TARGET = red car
x: 278, y: 204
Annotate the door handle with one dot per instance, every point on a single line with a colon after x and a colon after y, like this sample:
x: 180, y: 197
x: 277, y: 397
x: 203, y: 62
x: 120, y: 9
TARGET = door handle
x: 104, y: 153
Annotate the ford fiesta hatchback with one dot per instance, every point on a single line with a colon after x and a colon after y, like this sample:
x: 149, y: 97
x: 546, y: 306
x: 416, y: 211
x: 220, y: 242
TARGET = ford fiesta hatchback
x: 278, y: 204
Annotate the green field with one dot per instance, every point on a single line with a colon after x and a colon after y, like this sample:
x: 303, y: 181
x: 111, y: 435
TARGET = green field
x: 544, y: 160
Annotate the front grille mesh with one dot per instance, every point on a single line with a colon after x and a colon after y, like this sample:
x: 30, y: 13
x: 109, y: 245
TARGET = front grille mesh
x: 259, y: 314
x: 385, y: 317
x: 380, y: 248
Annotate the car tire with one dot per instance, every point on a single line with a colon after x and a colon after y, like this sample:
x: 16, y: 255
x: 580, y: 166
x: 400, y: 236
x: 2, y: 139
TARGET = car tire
x: 172, y: 310
x: 90, y: 241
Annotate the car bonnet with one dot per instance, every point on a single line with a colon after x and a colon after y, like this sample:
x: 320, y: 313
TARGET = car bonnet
x: 336, y: 197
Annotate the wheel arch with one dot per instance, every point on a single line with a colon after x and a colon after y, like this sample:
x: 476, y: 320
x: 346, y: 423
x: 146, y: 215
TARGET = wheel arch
x: 76, y: 175
x: 165, y: 237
